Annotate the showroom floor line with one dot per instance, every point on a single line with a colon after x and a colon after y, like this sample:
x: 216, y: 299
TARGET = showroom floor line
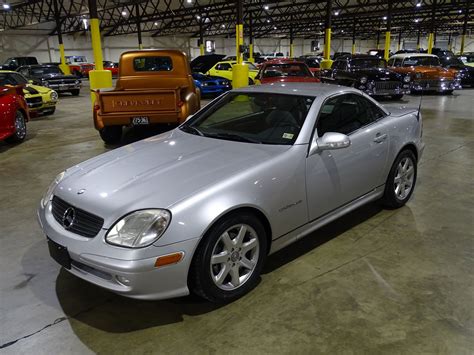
x: 376, y: 281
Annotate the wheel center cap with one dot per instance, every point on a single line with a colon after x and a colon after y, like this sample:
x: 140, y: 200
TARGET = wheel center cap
x: 234, y: 256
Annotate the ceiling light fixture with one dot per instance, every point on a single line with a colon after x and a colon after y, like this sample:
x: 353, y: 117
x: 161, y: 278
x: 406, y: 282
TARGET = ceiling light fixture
x: 124, y: 13
x: 6, y: 6
x: 266, y: 7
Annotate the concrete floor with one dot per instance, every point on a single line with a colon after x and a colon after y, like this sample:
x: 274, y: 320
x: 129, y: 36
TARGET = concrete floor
x: 377, y: 281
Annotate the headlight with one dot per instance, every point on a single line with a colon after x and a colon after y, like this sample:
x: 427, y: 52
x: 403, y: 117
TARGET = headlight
x: 406, y: 79
x: 224, y: 83
x: 54, y: 95
x: 203, y: 83
x: 77, y: 82
x: 49, y: 192
x: 363, y: 80
x: 139, y: 229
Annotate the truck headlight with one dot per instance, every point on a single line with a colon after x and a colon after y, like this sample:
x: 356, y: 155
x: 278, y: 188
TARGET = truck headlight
x: 54, y: 96
x: 49, y: 192
x: 139, y: 229
x: 77, y: 82
x: 406, y: 79
x: 363, y: 80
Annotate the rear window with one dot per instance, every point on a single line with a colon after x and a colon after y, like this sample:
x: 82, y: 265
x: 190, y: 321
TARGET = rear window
x: 153, y: 64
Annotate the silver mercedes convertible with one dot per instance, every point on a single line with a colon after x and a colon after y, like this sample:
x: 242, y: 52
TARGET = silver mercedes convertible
x: 199, y: 208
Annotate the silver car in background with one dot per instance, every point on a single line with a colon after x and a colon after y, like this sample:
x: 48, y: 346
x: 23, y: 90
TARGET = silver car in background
x: 200, y: 207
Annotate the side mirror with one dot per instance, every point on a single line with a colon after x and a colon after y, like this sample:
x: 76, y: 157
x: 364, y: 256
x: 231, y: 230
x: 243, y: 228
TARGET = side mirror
x: 188, y: 118
x: 329, y: 141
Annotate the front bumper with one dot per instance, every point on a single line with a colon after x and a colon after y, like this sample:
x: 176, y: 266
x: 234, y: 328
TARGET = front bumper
x: 107, y: 266
x: 440, y: 85
x: 39, y: 108
x: 373, y: 88
x: 65, y: 87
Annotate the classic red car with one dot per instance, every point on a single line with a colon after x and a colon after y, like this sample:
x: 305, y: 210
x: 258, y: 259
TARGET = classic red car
x: 13, y: 114
x: 81, y: 69
x: 285, y: 70
x: 113, y: 67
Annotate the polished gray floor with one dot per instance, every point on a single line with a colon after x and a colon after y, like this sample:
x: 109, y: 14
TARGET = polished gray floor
x: 376, y: 281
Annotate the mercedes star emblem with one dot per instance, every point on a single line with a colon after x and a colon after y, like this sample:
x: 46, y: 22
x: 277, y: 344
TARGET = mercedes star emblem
x: 69, y: 217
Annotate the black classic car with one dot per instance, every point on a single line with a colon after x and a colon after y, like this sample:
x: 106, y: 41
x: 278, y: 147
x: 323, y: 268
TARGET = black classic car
x: 369, y: 74
x: 466, y: 73
x: 15, y: 62
x: 52, y: 77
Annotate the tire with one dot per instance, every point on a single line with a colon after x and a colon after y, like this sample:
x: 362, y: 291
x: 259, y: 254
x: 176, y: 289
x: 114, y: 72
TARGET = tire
x: 50, y: 111
x: 397, y: 97
x: 396, y: 195
x: 251, y: 82
x: 111, y: 134
x: 448, y: 92
x: 237, y: 277
x: 75, y: 92
x: 20, y: 129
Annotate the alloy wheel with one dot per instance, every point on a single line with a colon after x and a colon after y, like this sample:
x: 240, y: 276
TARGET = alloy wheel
x: 234, y: 257
x: 20, y: 125
x: 404, y: 178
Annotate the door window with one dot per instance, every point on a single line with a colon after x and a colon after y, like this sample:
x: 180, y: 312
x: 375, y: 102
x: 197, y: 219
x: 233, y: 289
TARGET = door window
x: 347, y: 113
x: 223, y: 66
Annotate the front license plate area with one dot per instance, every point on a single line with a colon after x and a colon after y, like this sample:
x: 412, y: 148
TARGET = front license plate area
x: 140, y: 120
x: 60, y: 254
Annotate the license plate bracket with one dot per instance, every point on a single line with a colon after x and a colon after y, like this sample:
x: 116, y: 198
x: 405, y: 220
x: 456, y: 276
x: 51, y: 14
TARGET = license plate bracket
x: 59, y: 253
x: 140, y: 120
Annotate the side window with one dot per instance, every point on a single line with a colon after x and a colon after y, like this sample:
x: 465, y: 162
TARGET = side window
x: 24, y: 71
x: 390, y: 62
x: 398, y: 62
x: 339, y: 64
x: 20, y: 79
x: 346, y: 113
x: 223, y: 66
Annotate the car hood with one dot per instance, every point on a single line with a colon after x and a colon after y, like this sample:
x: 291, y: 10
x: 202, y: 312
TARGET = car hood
x: 158, y: 172
x: 377, y: 73
x: 56, y: 77
x: 429, y: 72
x: 31, y: 89
x: 290, y: 79
x: 204, y: 63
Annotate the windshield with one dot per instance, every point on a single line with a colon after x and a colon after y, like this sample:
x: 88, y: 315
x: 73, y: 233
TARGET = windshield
x: 451, y: 61
x: 368, y: 63
x: 262, y: 118
x: 12, y: 79
x: 421, y: 61
x: 278, y: 70
x: 251, y: 66
x: 45, y: 70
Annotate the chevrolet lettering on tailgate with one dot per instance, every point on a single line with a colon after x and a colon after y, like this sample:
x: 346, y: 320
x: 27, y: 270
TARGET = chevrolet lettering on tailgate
x: 128, y: 103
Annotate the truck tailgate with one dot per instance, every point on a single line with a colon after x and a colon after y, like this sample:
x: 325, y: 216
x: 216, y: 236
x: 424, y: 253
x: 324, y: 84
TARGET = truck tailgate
x: 138, y: 100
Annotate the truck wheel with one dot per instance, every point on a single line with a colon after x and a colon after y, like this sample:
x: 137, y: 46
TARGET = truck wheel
x: 111, y: 134
x: 20, y: 129
x: 75, y: 92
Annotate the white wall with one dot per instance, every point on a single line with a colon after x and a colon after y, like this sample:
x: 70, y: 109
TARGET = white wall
x: 46, y: 48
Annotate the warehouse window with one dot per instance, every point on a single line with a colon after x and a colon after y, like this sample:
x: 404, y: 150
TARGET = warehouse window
x: 153, y: 64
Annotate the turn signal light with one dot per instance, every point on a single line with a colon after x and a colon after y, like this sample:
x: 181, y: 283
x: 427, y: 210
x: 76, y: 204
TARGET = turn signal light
x: 169, y: 259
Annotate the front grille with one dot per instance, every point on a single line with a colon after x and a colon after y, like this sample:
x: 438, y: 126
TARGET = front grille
x: 85, y: 223
x: 432, y: 83
x: 34, y: 102
x: 62, y: 81
x: 387, y: 85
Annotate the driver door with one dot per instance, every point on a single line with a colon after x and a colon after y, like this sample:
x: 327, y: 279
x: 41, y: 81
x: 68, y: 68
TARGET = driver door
x: 337, y: 177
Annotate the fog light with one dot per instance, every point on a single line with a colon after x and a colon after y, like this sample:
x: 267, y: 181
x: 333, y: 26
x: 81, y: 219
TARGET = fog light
x: 123, y: 280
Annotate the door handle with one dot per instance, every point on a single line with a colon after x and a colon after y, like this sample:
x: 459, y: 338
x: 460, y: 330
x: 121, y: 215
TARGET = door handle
x: 379, y: 137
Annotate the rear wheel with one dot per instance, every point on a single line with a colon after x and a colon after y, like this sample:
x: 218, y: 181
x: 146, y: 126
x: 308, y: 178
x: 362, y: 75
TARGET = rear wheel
x: 111, y: 134
x: 397, y: 97
x: 228, y: 262
x: 401, y: 180
x: 20, y: 129
x: 75, y: 92
x: 448, y: 92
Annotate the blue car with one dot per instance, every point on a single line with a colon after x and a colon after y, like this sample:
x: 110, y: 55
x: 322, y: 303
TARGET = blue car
x: 211, y: 85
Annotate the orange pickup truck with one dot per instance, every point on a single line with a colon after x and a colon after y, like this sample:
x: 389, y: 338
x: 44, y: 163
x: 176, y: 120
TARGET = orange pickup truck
x: 153, y: 87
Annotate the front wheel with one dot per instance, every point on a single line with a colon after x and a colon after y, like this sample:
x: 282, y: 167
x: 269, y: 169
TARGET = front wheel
x: 401, y: 180
x: 397, y: 97
x: 20, y: 129
x: 228, y: 262
x: 75, y: 92
x: 111, y: 134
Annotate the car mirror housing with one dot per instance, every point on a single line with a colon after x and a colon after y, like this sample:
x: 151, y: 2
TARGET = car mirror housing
x: 330, y: 141
x: 188, y: 118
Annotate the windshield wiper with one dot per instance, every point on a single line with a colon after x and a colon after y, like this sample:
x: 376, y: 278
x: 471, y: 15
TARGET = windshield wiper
x: 232, y: 136
x: 192, y: 130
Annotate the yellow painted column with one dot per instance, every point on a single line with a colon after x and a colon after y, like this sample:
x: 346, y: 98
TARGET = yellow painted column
x: 240, y: 71
x: 251, y: 59
x: 387, y: 45
x: 98, y: 78
x: 430, y: 42
x: 353, y: 48
x: 327, y: 62
x: 292, y: 50
x: 463, y: 40
x: 140, y: 46
x: 201, y: 49
x: 64, y: 67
